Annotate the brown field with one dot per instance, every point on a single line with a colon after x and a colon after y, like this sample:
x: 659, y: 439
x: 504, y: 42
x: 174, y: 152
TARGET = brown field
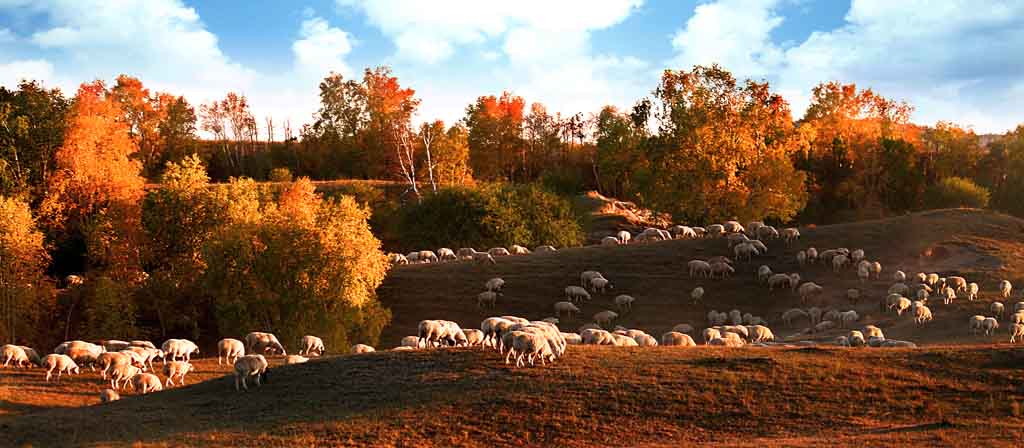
x: 956, y: 390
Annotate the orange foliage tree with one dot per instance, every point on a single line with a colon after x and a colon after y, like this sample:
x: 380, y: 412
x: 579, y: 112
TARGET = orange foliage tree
x: 495, y: 137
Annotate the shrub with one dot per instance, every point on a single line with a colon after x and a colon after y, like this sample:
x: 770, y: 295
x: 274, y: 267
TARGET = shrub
x: 280, y: 175
x: 109, y: 310
x: 956, y: 192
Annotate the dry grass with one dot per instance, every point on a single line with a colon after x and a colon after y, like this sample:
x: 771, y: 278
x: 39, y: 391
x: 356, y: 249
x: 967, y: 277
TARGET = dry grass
x: 594, y: 396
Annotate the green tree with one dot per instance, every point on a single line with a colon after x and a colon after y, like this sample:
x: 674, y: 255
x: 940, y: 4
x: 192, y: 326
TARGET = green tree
x: 956, y: 192
x: 23, y: 260
x: 32, y: 126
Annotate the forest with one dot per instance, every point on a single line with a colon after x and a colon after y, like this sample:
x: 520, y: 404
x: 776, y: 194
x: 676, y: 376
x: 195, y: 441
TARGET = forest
x: 161, y: 205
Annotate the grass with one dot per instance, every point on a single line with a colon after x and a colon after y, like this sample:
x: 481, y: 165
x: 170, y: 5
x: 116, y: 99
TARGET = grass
x: 948, y: 395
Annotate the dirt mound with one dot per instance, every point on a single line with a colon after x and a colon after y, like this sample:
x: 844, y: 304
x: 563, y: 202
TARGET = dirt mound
x: 605, y: 216
x: 984, y: 247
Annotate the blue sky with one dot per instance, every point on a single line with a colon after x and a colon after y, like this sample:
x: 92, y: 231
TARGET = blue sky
x: 953, y: 60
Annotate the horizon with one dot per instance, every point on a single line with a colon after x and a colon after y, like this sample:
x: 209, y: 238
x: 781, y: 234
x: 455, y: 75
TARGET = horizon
x: 568, y: 58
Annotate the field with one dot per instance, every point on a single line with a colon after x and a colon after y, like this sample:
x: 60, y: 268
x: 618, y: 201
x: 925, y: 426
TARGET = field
x: 956, y: 389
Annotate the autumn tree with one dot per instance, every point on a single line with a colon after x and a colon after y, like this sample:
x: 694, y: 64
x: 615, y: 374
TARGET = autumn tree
x: 950, y: 151
x: 1000, y: 171
x: 495, y: 137
x: 233, y: 126
x: 32, y: 126
x: 723, y: 150
x: 621, y: 158
x: 93, y: 196
x: 450, y: 154
x: 390, y: 108
x: 23, y: 282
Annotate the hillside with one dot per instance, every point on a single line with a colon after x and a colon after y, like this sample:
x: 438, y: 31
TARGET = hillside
x: 594, y: 396
x: 982, y: 246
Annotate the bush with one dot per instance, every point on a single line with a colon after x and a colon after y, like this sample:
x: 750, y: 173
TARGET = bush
x: 956, y: 192
x: 109, y: 310
x: 491, y: 216
x: 280, y: 175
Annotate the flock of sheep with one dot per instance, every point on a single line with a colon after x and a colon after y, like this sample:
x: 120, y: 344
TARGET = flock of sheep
x: 466, y: 253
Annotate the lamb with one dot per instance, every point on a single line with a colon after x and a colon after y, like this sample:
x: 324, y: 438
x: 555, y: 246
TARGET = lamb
x: 922, y: 314
x: 605, y: 318
x: 932, y: 279
x: 997, y: 309
x: 544, y: 248
x: 1004, y: 289
x: 109, y: 395
x: 610, y: 241
x: 483, y: 258
x: 697, y: 294
x: 486, y: 299
x: 789, y: 316
x: 311, y: 345
x: 576, y: 294
x: 60, y: 363
x: 566, y: 308
x: 18, y: 355
x: 363, y: 348
x: 624, y: 302
x: 175, y: 348
x: 250, y: 366
x: 498, y: 252
x: 297, y: 359
x: 177, y: 369
x: 624, y: 236
x: 600, y: 284
x: 711, y: 334
x: 446, y: 254
x: 809, y: 290
x: 677, y: 339
x: 989, y: 325
x: 699, y: 267
x: 972, y: 291
x: 259, y: 342
x: 790, y: 234
x: 494, y: 284
x: 1016, y: 333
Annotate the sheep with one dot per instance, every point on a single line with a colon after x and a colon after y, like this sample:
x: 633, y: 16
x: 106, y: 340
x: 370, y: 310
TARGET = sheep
x: 518, y: 250
x: 298, y: 359
x: 809, y: 290
x: 175, y: 348
x: 60, y: 363
x: 529, y: 346
x: 486, y: 299
x: 957, y: 283
x: 789, y: 316
x: 18, y: 355
x: 259, y: 342
x: 922, y: 314
x: 863, y: 273
x: 697, y: 294
x: 466, y: 253
x: 932, y: 279
x: 624, y: 236
x: 855, y: 338
x: 683, y: 232
x: 592, y: 336
x: 997, y: 309
x: 610, y: 241
x: 745, y: 251
x: 397, y: 259
x: 989, y: 325
x: 144, y: 356
x: 948, y: 296
x: 839, y: 261
x: 84, y: 357
x: 109, y: 395
x: 767, y: 233
x: 728, y: 339
x: 974, y: 323
x: 715, y: 230
x: 857, y: 255
x: 311, y: 345
x: 790, y: 234
x: 437, y: 331
x: 624, y: 302
x: 1016, y: 333
x: 760, y: 333
x: 721, y: 268
x: 847, y: 317
x: 363, y: 348
x: 778, y: 281
x: 576, y: 294
x: 645, y: 340
x: 699, y: 267
x: 601, y: 284
x: 427, y: 256
x: 812, y: 255
x: 733, y: 227
x: 483, y: 258
x: 677, y: 339
x: 115, y: 345
x: 566, y: 308
x: 1004, y: 289
x: 605, y: 318
x: 250, y: 366
x: 413, y: 257
x: 176, y: 369
x: 545, y: 248
x: 824, y: 325
x: 572, y: 338
x: 446, y: 254
x: 972, y: 291
x: 872, y: 331
x: 710, y: 334
x: 499, y: 252
x: 474, y: 337
x: 901, y: 305
x: 763, y: 273
x: 814, y: 315
x: 230, y: 349
x: 682, y: 328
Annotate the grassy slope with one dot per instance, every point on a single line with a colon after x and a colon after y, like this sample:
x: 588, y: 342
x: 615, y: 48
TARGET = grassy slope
x: 980, y: 245
x: 595, y: 396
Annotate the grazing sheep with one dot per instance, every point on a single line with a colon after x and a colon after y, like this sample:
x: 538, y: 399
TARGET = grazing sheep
x: 901, y: 305
x: 808, y: 291
x: 949, y: 294
x: 699, y: 267
x: 146, y: 383
x: 175, y: 348
x: 397, y: 259
x: 311, y: 345
x: 230, y: 349
x: 576, y: 294
x: 1005, y: 288
x: 1017, y: 333
x: 250, y: 366
x: 610, y: 241
x: 763, y: 272
x: 177, y: 369
x: 624, y: 236
x: 710, y: 334
x: 863, y: 273
x: 413, y: 257
x: 790, y: 234
x: 544, y: 248
x: 824, y: 325
x: 624, y: 302
x: 600, y: 284
x: 989, y: 325
x: 483, y: 258
x: 847, y: 318
x: 1017, y: 318
x: 529, y: 346
x: 745, y: 251
x: 856, y: 338
x: 519, y: 250
x: 974, y: 323
x: 789, y: 316
x: 872, y: 331
x: 494, y: 284
x: 972, y: 291
x: 697, y: 294
x: 18, y: 355
x: 566, y: 308
x: 593, y: 336
x: 605, y: 318
x: 839, y: 261
x: 682, y: 328
x: 109, y: 395
x: 645, y: 340
x: 362, y: 348
x: 60, y: 363
x: 932, y: 279
x: 760, y: 333
x: 572, y: 338
x: 466, y: 253
x: 728, y: 339
x: 922, y: 314
x: 475, y: 337
x: 498, y: 252
x: 721, y: 269
x: 677, y: 339
x: 997, y: 309
x: 486, y: 299
x: 259, y: 342
x: 779, y: 281
x: 446, y: 254
x: 297, y: 359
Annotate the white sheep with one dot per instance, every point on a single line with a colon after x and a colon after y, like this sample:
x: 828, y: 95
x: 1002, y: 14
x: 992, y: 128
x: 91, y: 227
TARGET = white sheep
x: 790, y: 234
x: 572, y: 338
x: 60, y: 363
x: 146, y: 383
x: 697, y: 294
x: 711, y: 334
x: 1017, y: 318
x: 745, y: 251
x: 972, y: 291
x: 111, y: 361
x: 721, y: 269
x: 498, y: 252
x: 677, y: 339
x: 645, y: 340
x: 922, y: 314
x: 1005, y: 288
x: 311, y: 345
x: 259, y: 342
x: 872, y: 331
x: 839, y: 261
x: 763, y: 273
x: 901, y: 305
x: 624, y: 236
x: 808, y: 291
x: 18, y: 355
x: 760, y: 333
x: 699, y: 267
x: 576, y: 294
x: 856, y: 338
x: 177, y: 369
x: 544, y: 248
x: 605, y: 318
x: 1016, y: 333
x: 974, y: 323
x: 483, y: 258
x: 949, y: 294
x: 466, y: 253
x: 115, y: 345
x: 362, y: 348
x: 790, y: 315
x: 254, y: 366
x: 779, y: 281
x: 610, y: 241
x: 229, y: 349
x: 989, y: 325
x: 518, y: 250
x: 446, y: 254
x: 122, y: 375
x: 566, y: 308
x: 109, y: 395
x: 486, y: 299
x: 997, y: 309
x: 475, y: 337
x: 624, y: 302
x: 298, y: 359
x: 397, y: 259
x: 175, y: 348
x: 600, y: 284
x: 842, y: 341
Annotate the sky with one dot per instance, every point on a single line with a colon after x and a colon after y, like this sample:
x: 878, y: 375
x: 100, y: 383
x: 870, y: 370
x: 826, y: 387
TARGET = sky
x: 953, y: 60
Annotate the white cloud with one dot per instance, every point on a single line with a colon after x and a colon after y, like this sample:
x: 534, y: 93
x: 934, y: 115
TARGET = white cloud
x: 952, y: 60
x: 14, y: 72
x: 321, y: 49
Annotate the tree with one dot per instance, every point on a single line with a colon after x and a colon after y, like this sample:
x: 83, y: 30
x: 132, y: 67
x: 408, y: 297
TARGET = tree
x: 23, y: 260
x: 450, y: 154
x: 956, y: 192
x: 495, y: 136
x: 343, y: 113
x: 543, y: 148
x: 143, y: 114
x: 1000, y: 171
x: 93, y: 197
x: 950, y: 151
x: 620, y: 154
x: 177, y: 129
x: 390, y: 108
x: 32, y: 126
x: 233, y: 125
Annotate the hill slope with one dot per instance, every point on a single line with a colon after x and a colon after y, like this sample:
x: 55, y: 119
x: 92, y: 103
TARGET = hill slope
x: 594, y: 396
x: 979, y: 245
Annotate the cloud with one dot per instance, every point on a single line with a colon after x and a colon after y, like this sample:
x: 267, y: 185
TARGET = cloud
x: 951, y: 60
x: 6, y: 36
x: 321, y: 49
x: 14, y: 72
